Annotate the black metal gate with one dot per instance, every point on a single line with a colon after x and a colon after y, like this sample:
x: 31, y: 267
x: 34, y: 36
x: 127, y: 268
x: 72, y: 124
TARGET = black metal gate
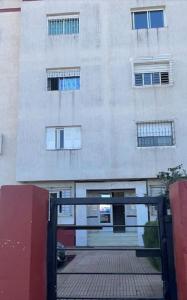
x: 165, y: 251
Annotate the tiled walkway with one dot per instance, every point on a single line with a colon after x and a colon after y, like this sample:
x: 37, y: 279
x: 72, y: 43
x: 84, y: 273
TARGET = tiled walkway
x: 112, y: 286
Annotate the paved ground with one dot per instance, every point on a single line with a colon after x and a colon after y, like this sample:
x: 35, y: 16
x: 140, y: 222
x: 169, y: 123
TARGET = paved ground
x: 113, y: 286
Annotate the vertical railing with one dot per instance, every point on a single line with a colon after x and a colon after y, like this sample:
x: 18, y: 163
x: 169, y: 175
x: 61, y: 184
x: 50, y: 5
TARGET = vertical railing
x: 172, y: 286
x: 167, y: 252
x: 163, y: 246
x: 51, y: 252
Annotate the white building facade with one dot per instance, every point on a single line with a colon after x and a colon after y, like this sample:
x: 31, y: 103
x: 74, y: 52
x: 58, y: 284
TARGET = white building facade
x: 102, y: 104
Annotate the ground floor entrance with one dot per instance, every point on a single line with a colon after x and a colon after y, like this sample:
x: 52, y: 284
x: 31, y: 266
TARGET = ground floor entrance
x: 118, y: 219
x: 115, y: 271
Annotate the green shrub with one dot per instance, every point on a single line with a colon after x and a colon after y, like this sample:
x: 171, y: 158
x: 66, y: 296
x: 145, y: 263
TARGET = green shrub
x: 151, y: 240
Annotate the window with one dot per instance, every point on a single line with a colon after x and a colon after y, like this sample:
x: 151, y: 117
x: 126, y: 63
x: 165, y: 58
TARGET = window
x: 157, y: 190
x: 63, y: 79
x: 155, y: 134
x: 148, y: 19
x: 63, y: 25
x: 63, y: 210
x: 156, y: 71
x: 61, y: 138
x: 157, y: 78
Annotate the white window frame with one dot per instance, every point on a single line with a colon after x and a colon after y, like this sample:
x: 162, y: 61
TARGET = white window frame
x: 55, y: 144
x: 63, y: 16
x: 71, y: 207
x: 153, y: 60
x: 151, y: 84
x: 148, y: 10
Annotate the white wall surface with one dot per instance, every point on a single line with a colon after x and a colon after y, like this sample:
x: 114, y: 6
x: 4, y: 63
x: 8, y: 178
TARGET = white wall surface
x: 9, y: 59
x: 107, y: 107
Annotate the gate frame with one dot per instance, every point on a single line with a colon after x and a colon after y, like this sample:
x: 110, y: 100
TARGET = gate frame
x: 165, y: 235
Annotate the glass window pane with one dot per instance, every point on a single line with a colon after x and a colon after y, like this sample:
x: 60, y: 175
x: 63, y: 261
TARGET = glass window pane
x: 55, y: 27
x: 164, y: 141
x: 69, y: 83
x: 156, y: 78
x: 146, y: 141
x: 140, y: 20
x: 61, y: 139
x: 157, y: 19
x: 147, y: 79
x: 138, y: 79
x: 71, y: 26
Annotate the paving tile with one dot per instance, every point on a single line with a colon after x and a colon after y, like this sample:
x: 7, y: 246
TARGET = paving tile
x: 108, y: 286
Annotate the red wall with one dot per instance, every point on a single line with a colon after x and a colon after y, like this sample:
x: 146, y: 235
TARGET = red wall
x: 178, y: 199
x: 23, y: 242
x: 67, y: 237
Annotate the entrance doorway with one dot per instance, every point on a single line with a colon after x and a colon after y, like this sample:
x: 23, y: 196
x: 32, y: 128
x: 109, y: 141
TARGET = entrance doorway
x: 118, y: 213
x: 118, y: 218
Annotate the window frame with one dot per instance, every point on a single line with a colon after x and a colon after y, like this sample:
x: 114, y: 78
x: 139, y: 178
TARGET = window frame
x: 152, y: 84
x: 57, y: 142
x: 58, y: 192
x: 147, y: 10
x: 59, y: 78
x: 63, y: 16
x: 156, y: 146
x: 146, y: 61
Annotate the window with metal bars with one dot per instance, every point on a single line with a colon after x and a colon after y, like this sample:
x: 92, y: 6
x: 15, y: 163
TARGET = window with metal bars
x: 151, y: 18
x: 63, y: 79
x: 159, y: 133
x: 64, y: 25
x: 156, y: 78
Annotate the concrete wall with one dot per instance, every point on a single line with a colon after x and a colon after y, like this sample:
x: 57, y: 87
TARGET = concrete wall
x: 107, y: 107
x: 178, y: 194
x: 23, y: 243
x: 9, y: 64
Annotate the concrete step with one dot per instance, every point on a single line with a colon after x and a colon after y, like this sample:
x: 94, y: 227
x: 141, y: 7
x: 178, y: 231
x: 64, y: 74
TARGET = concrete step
x: 112, y: 239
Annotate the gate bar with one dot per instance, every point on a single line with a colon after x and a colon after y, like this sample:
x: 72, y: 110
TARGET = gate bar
x: 155, y: 250
x: 100, y: 227
x: 111, y: 273
x: 51, y: 253
x: 114, y: 200
x: 109, y: 298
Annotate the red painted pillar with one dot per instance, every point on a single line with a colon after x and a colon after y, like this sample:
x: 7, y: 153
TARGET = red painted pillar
x: 178, y: 199
x: 23, y: 242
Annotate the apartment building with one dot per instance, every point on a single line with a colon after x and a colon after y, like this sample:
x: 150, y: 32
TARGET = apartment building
x: 9, y: 66
x: 101, y: 107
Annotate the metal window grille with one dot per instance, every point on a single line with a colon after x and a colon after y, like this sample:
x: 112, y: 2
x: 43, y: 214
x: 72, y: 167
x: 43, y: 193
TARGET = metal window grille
x: 155, y: 134
x: 63, y: 26
x: 139, y: 79
x: 63, y: 79
x: 157, y: 78
x: 164, y: 77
